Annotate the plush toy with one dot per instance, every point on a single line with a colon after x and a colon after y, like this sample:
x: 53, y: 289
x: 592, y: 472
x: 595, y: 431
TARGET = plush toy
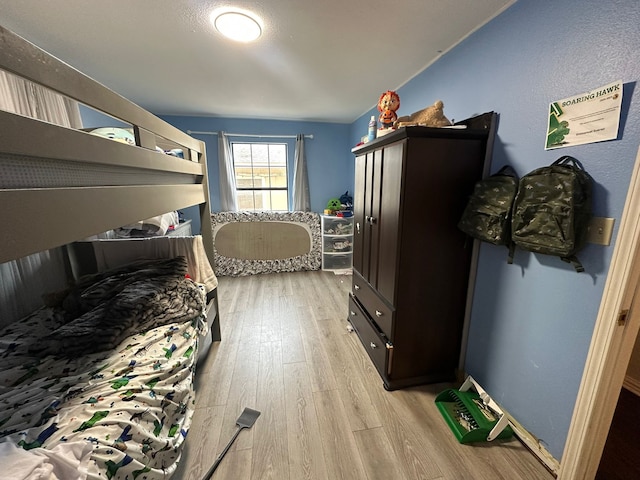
x: 432, y: 116
x: 388, y: 104
x: 334, y: 204
x: 346, y: 200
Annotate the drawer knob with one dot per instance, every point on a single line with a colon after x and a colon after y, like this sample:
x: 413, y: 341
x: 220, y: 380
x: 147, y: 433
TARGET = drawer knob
x: 353, y: 314
x: 356, y: 287
x: 373, y: 345
x: 378, y: 313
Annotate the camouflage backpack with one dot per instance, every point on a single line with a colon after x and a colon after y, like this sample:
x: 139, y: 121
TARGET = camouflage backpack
x: 552, y: 210
x: 487, y: 215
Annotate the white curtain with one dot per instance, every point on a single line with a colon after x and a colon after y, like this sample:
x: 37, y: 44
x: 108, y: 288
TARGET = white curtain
x: 301, y: 198
x: 228, y: 198
x: 18, y: 95
x: 23, y: 281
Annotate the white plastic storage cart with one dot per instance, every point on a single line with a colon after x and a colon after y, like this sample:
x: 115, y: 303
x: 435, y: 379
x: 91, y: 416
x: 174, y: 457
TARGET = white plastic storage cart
x: 337, y: 243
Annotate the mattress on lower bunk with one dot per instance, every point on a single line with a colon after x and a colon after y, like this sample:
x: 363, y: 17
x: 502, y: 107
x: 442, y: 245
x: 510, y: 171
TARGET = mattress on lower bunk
x: 103, y: 386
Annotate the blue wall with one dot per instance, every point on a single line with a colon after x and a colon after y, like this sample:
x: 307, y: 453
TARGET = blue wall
x: 532, y: 322
x: 329, y: 162
x: 92, y: 118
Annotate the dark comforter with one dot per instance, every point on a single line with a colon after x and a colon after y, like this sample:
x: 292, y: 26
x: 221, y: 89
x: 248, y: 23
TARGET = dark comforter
x: 105, y: 308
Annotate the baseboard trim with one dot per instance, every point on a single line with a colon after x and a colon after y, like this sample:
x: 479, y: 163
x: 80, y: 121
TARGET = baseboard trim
x: 534, y: 445
x: 632, y: 384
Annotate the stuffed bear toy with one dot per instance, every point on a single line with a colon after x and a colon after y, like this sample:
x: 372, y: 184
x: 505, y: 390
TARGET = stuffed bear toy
x: 432, y: 116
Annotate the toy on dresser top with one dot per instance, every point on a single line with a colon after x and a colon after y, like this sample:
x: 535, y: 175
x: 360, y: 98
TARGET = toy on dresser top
x: 388, y: 104
x: 432, y: 116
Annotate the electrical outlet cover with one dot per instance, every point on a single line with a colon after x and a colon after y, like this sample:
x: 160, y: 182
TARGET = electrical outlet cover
x: 600, y: 230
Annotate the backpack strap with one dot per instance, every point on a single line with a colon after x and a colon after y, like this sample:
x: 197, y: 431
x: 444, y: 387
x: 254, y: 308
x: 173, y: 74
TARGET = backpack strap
x: 568, y: 160
x: 573, y: 163
x: 573, y: 260
x: 508, y: 171
x: 512, y: 250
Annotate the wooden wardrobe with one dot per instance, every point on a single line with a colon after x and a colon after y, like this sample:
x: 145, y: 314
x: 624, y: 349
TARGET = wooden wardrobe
x: 411, y: 264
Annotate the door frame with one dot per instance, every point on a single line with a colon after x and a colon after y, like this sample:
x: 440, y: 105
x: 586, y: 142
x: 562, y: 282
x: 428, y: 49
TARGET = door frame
x: 611, y: 347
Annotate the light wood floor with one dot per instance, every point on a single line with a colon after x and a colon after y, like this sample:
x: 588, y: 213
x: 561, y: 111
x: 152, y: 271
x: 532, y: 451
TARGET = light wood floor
x: 286, y: 352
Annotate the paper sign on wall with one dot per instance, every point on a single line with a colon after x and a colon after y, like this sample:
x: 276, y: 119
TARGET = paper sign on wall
x: 586, y: 118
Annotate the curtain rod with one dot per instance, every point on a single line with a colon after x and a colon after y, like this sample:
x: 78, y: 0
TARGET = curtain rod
x: 196, y: 132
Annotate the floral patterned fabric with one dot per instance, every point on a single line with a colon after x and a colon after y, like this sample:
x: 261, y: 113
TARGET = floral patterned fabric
x: 234, y: 267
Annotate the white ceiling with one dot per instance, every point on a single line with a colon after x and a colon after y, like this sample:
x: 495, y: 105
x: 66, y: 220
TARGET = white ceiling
x: 318, y: 60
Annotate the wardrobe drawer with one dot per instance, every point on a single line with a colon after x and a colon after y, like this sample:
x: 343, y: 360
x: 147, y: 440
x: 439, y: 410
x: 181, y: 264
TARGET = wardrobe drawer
x: 374, y: 343
x: 374, y: 305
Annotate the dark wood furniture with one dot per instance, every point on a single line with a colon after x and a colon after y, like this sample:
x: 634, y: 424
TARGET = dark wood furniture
x: 410, y: 262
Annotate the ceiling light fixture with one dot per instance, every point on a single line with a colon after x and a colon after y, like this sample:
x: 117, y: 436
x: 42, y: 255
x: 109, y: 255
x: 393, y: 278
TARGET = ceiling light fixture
x: 237, y: 25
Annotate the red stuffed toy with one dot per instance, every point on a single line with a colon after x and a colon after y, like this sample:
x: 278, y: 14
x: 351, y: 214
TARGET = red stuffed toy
x: 388, y: 104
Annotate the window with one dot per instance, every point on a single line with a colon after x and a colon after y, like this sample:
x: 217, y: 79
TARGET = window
x: 261, y: 175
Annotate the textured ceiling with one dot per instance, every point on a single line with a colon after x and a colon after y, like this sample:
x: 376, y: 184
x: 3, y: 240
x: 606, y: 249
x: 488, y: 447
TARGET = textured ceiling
x: 325, y: 60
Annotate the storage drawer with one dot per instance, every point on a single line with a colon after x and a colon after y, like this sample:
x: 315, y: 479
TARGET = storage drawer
x: 336, y: 262
x: 337, y: 225
x: 377, y: 308
x: 337, y: 244
x: 374, y: 343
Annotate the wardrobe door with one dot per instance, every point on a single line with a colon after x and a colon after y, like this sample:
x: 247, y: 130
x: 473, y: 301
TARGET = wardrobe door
x: 373, y: 217
x: 389, y: 221
x: 366, y: 243
x: 358, y: 213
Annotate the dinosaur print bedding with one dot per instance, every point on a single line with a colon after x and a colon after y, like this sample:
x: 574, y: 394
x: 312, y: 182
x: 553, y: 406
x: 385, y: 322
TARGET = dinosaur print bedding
x: 102, y: 385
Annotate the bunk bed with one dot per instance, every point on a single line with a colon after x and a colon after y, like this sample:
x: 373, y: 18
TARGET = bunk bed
x: 99, y: 383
